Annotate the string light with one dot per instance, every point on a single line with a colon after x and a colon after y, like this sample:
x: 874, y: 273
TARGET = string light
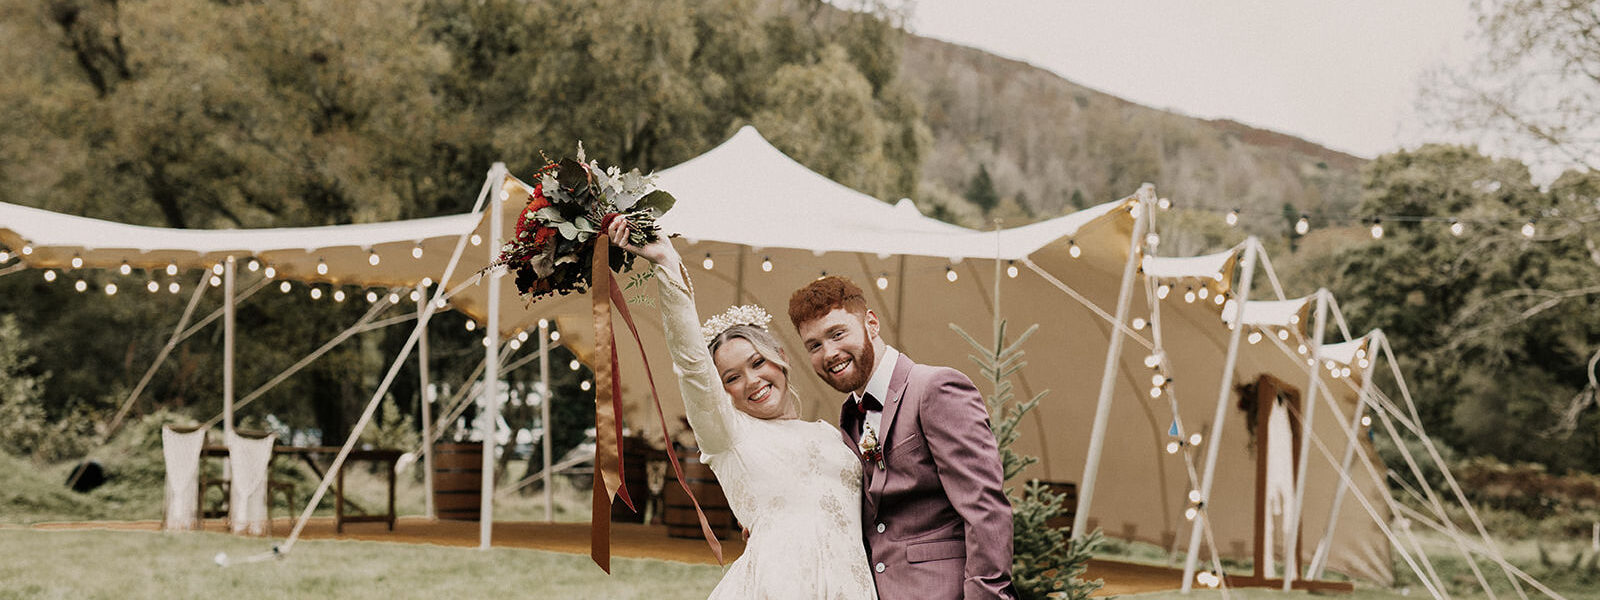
x: 394, y: 298
x: 1194, y: 496
x: 428, y: 282
x: 111, y: 289
x: 585, y: 385
x: 516, y: 344
x: 373, y: 259
x: 471, y: 325
x: 216, y: 281
x: 174, y: 287
x: 1457, y: 228
x: 1254, y: 338
x: 1155, y: 392
x: 1366, y: 420
x: 555, y: 336
x: 1158, y: 379
x: 1190, y: 513
x: 1219, y: 299
x: 883, y: 281
x: 4, y: 256
x: 372, y: 297
x: 1301, y: 349
x: 1232, y: 218
x: 284, y: 287
x: 322, y: 267
x: 216, y: 269
x: 1283, y: 334
x: 544, y: 323
x: 708, y: 263
x: 766, y: 264
x: 1011, y: 269
x: 270, y: 273
x: 1152, y: 239
x: 522, y: 336
x: 1173, y: 446
x: 1188, y: 296
x: 1377, y: 228
x: 1303, y: 225
x: 1164, y: 203
x: 573, y: 365
x: 316, y: 293
x: 338, y: 295
x: 49, y: 276
x: 254, y: 265
x: 27, y: 250
x: 77, y: 262
x: 1138, y: 323
x: 1073, y: 250
x: 125, y: 269
x: 1202, y: 292
x: 153, y: 287
x: 1162, y: 291
x: 81, y: 285
x: 477, y: 240
x: 172, y: 268
x: 950, y: 274
x: 416, y: 251
x: 1528, y: 229
x: 1195, y: 439
x: 1152, y: 361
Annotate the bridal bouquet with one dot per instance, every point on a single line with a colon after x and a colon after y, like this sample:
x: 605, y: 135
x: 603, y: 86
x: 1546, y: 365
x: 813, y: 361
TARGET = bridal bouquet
x: 571, y: 202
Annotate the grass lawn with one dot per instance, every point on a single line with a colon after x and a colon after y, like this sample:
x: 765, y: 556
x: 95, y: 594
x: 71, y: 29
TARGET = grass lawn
x: 109, y: 564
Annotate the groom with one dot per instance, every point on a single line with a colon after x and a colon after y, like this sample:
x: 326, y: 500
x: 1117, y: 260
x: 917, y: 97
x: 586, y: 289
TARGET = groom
x: 935, y: 521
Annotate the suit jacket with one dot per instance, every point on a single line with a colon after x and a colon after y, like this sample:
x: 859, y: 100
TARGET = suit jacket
x: 935, y: 519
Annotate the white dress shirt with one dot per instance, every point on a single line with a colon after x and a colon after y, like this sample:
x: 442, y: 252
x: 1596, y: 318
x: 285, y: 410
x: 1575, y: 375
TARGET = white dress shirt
x: 878, y: 386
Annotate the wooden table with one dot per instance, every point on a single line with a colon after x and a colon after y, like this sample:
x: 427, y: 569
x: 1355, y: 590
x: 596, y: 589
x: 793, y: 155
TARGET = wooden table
x: 385, y: 458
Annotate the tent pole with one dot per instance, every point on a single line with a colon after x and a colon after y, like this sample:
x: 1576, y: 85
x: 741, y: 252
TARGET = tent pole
x: 1223, y: 393
x: 227, y: 347
x: 544, y: 415
x: 425, y: 398
x: 997, y: 279
x: 491, y: 361
x: 1319, y: 559
x: 1145, y: 204
x: 1308, y: 409
x: 900, y: 303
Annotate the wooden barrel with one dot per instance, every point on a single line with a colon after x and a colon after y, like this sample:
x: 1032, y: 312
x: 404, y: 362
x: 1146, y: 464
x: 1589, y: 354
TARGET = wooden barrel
x: 680, y: 517
x: 458, y: 481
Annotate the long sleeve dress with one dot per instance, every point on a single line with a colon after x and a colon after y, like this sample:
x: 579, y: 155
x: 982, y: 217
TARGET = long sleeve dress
x: 792, y: 483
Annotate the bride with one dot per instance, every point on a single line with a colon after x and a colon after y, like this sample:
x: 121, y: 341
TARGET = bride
x: 794, y: 484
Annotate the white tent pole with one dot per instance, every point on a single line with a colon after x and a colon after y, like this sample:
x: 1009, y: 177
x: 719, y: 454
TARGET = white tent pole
x: 1102, y: 414
x: 491, y: 361
x: 997, y: 277
x: 1319, y: 559
x: 425, y: 398
x: 1272, y: 274
x: 1291, y: 559
x: 1221, y: 415
x: 13, y: 269
x: 1086, y: 303
x: 227, y: 347
x: 544, y: 415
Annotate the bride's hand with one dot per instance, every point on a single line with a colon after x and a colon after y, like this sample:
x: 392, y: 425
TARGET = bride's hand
x: 659, y: 252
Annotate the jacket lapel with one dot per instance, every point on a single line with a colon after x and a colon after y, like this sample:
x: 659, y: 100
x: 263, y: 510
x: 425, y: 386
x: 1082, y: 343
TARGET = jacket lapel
x: 891, y: 409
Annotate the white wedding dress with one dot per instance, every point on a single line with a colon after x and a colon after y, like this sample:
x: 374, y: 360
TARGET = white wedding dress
x: 794, y: 484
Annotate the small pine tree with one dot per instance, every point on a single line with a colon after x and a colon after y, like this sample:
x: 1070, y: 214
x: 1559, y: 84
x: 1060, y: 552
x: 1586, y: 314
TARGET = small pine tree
x: 980, y: 191
x: 1044, y: 563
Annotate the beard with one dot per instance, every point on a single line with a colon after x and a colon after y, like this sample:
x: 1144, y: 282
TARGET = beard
x: 865, y: 362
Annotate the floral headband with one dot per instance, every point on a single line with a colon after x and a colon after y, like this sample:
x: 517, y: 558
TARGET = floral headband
x: 747, y: 314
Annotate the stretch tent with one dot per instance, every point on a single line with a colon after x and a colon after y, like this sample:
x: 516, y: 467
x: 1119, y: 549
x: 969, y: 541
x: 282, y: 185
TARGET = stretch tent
x: 744, y: 204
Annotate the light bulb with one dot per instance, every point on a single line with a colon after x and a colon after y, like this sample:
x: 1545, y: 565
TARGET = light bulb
x: 522, y: 336
x: 372, y: 297
x: 111, y: 289
x: 1366, y: 420
x: 415, y: 295
x: 284, y: 287
x: 544, y: 323
x: 585, y: 385
x: 216, y: 269
x: 316, y: 293
x: 1158, y: 379
x: 516, y: 344
x: 1232, y: 218
x: 477, y: 240
x: 1188, y: 296
x: 1363, y: 363
x: 394, y: 298
x: 766, y: 265
x: 708, y: 263
x: 1073, y: 250
x: 950, y: 274
x: 124, y: 269
x: 1195, y: 439
x: 428, y: 282
x: 1202, y: 292
x: 153, y: 287
x: 27, y: 250
x: 269, y: 273
x: 1164, y: 203
x: 1283, y: 334
x: 1190, y: 513
x: 1301, y: 349
x: 1155, y: 392
x: 1152, y: 360
x: 1457, y: 228
x: 1344, y: 371
x: 440, y: 302
x: 77, y: 262
x: 1172, y: 447
x: 1152, y: 239
x: 254, y: 265
x: 1139, y: 323
x: 174, y: 287
x: 4, y: 256
x: 416, y: 251
x: 1294, y: 318
x: 172, y: 268
x: 1303, y: 225
x: 1011, y: 269
x: 1194, y: 495
x: 216, y: 281
x: 1528, y: 229
x: 1219, y: 299
x: 1161, y: 292
x: 1255, y: 337
x: 573, y: 365
x: 322, y: 267
x: 1377, y: 229
x: 338, y: 295
x: 471, y: 325
x: 81, y: 285
x: 49, y: 276
x: 373, y: 259
x: 883, y: 281
x: 555, y: 336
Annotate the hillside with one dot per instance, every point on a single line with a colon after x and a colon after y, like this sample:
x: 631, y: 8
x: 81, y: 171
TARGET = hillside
x: 1054, y: 145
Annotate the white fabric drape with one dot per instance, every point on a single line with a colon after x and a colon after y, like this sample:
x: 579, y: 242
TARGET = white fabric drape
x: 247, y: 500
x: 181, y: 451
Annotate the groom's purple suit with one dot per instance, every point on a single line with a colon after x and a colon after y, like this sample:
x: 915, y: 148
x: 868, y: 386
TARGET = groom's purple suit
x: 935, y: 520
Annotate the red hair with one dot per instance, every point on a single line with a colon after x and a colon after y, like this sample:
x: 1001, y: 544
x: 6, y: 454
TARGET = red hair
x: 820, y: 297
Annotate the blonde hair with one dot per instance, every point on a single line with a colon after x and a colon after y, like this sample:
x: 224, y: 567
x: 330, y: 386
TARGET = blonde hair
x: 765, y: 344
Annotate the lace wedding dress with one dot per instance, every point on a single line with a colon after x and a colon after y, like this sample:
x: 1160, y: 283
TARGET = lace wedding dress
x: 792, y: 483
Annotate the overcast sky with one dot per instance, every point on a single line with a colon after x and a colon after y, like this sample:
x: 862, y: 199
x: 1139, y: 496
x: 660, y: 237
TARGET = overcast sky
x: 1342, y: 73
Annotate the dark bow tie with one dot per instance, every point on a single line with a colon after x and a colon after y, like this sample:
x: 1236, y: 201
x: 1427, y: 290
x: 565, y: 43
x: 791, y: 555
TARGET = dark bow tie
x: 869, y: 404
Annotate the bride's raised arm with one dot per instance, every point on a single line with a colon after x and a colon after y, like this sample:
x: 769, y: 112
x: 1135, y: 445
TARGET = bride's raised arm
x: 704, y: 400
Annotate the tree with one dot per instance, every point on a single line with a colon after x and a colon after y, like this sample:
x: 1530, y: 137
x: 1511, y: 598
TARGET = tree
x: 980, y: 191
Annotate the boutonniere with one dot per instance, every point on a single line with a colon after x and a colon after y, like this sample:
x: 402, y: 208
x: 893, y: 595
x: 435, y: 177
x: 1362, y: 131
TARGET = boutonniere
x: 871, y: 449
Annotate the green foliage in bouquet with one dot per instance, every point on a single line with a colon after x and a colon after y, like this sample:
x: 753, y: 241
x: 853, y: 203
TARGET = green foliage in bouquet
x: 1044, y: 563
